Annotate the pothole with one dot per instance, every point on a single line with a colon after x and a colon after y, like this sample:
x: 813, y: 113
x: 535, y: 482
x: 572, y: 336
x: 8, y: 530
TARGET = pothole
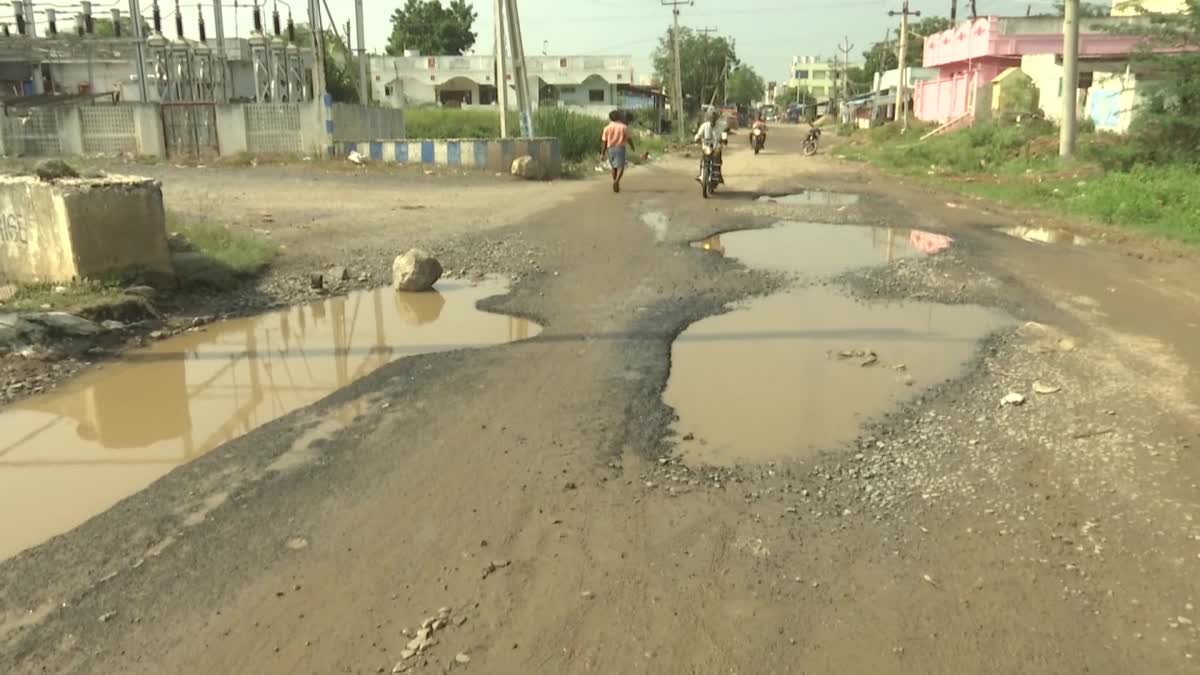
x: 1044, y: 235
x: 815, y: 249
x: 813, y: 198
x: 71, y: 454
x: 785, y: 376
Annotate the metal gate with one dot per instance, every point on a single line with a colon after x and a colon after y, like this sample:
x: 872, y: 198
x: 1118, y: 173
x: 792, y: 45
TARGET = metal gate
x: 190, y: 128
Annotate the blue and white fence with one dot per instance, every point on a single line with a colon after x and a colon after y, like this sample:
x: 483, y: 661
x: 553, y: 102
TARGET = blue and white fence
x: 481, y: 154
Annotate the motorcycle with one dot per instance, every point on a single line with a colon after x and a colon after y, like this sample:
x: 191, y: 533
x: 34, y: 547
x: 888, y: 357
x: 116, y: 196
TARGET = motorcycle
x: 710, y: 170
x: 758, y: 138
x: 810, y: 141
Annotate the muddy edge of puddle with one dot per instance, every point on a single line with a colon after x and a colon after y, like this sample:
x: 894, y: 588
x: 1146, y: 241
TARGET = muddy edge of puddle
x: 788, y: 375
x: 74, y: 452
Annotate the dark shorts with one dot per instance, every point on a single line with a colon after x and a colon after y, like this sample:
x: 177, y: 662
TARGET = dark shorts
x: 616, y: 157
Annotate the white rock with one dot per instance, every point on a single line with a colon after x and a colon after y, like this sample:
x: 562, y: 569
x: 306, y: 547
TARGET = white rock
x: 528, y: 168
x: 1013, y: 398
x: 416, y: 270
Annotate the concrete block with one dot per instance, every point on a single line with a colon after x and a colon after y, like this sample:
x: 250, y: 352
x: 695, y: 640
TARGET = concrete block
x: 82, y: 228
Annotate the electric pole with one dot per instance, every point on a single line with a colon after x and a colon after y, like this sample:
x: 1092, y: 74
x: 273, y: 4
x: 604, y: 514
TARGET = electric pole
x: 953, y: 12
x: 704, y: 33
x: 901, y: 80
x: 501, y: 70
x: 1067, y: 127
x: 845, y: 68
x: 520, y: 71
x: 364, y: 84
x: 677, y: 84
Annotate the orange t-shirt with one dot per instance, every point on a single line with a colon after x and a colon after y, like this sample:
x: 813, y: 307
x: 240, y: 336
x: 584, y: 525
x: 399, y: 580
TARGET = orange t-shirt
x: 615, y: 135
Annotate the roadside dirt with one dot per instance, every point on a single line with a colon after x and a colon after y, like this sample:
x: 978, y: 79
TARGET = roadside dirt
x: 535, y: 489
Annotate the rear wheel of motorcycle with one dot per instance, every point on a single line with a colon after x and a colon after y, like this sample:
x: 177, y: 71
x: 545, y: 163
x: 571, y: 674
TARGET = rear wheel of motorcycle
x: 810, y: 148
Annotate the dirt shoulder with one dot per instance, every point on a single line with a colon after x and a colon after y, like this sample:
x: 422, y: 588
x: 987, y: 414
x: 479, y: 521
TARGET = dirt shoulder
x: 532, y: 491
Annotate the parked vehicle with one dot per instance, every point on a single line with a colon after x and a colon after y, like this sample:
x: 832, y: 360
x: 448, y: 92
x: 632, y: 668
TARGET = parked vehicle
x: 810, y: 141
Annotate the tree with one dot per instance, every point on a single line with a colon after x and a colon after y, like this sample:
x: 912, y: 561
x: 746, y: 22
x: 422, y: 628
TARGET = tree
x: 745, y: 86
x: 103, y: 27
x: 341, y: 75
x: 1087, y: 10
x: 431, y: 29
x: 787, y: 96
x: 703, y: 63
x: 881, y: 56
x: 1167, y: 127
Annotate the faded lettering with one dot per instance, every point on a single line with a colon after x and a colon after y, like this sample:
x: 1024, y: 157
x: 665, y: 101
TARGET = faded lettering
x: 12, y: 229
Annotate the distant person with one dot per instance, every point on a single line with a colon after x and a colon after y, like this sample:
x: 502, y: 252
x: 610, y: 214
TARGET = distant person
x: 613, y: 141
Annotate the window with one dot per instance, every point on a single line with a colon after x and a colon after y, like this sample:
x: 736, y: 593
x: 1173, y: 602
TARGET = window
x: 388, y: 89
x: 801, y: 74
x: 596, y: 95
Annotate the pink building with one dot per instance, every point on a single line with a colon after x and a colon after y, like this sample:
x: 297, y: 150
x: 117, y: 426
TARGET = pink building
x: 971, y: 54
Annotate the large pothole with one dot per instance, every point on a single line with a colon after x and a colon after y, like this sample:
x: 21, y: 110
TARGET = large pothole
x: 69, y: 455
x: 788, y: 375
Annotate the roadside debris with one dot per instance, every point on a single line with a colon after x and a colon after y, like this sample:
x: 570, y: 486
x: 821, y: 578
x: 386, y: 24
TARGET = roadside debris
x: 528, y: 168
x: 1039, y: 388
x: 494, y: 565
x: 355, y: 158
x: 1013, y: 399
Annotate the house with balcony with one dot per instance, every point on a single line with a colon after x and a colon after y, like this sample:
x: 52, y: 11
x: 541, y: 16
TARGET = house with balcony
x: 590, y: 84
x: 814, y: 75
x: 971, y: 55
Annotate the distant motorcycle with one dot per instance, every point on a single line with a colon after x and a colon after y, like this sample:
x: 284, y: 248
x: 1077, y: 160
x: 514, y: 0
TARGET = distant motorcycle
x: 758, y: 138
x: 810, y: 141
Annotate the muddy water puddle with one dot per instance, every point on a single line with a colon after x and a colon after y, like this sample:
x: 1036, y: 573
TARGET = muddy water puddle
x: 1045, y: 235
x: 785, y: 376
x: 813, y: 249
x: 71, y: 454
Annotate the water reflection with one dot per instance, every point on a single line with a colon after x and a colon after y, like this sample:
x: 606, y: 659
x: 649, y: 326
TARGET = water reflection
x: 70, y: 454
x: 816, y: 248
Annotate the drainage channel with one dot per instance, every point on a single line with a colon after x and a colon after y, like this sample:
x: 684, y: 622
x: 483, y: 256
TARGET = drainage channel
x: 788, y: 375
x: 73, y: 453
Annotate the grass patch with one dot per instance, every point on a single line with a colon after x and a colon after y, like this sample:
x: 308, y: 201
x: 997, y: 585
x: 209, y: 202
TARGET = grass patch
x: 62, y: 297
x: 1020, y: 165
x: 241, y: 254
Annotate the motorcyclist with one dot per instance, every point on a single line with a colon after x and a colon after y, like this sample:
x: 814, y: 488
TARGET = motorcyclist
x: 759, y: 124
x: 709, y: 136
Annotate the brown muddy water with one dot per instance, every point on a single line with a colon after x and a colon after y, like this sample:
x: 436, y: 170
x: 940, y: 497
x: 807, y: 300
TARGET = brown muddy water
x: 786, y: 376
x: 73, y: 453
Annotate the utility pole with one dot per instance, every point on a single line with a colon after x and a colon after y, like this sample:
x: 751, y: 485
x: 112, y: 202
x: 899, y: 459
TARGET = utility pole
x: 520, y: 72
x: 676, y: 75
x: 501, y: 70
x: 901, y: 80
x: 1067, y: 127
x: 364, y: 84
x: 953, y: 12
x: 139, y: 38
x: 845, y: 68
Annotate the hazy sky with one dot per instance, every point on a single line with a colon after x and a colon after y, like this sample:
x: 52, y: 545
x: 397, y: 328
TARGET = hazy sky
x: 768, y: 32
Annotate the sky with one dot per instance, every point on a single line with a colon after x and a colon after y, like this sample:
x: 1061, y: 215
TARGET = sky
x: 768, y: 33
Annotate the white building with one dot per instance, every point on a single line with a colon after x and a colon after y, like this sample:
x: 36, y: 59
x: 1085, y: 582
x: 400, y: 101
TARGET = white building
x: 591, y: 84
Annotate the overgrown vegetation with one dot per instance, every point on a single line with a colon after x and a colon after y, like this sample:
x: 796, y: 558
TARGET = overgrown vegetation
x: 578, y: 134
x: 62, y: 297
x: 1111, y: 182
x: 241, y: 254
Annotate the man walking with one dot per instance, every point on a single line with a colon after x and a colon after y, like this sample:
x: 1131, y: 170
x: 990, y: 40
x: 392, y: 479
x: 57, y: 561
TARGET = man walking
x: 613, y: 141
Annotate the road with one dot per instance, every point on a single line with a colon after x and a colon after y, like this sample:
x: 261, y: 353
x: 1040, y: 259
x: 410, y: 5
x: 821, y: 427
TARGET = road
x: 535, y: 490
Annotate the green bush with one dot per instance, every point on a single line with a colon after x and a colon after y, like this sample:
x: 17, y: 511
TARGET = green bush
x: 578, y: 134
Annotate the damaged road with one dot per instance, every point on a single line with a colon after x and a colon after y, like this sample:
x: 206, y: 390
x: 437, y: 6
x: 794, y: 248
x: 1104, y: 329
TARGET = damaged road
x: 532, y: 506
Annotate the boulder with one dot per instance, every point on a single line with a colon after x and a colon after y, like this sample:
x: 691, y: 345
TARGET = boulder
x: 416, y: 270
x: 337, y: 274
x: 62, y: 324
x: 528, y: 168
